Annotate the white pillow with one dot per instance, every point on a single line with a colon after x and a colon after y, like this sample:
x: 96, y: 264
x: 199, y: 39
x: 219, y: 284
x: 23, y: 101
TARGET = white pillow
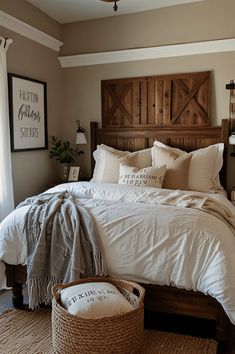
x: 108, y: 161
x: 147, y: 177
x: 94, y: 300
x: 96, y: 155
x: 204, y: 167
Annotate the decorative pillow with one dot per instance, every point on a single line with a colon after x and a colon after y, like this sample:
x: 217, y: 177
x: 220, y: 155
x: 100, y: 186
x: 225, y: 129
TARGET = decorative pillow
x: 177, y: 167
x: 146, y: 177
x: 139, y: 159
x: 108, y: 161
x: 204, y: 168
x: 94, y: 300
x: 108, y: 170
x: 96, y: 154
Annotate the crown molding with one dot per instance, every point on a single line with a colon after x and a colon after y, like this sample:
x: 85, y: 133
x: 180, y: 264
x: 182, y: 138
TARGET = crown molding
x: 22, y: 28
x: 167, y: 51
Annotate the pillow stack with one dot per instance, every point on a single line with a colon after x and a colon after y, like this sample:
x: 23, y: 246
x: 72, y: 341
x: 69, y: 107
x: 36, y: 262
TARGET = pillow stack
x: 204, y: 166
x: 161, y: 166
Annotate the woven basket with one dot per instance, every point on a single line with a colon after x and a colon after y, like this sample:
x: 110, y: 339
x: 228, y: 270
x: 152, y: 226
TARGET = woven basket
x: 116, y: 334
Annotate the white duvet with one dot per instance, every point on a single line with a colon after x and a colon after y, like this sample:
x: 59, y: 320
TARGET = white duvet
x: 147, y: 242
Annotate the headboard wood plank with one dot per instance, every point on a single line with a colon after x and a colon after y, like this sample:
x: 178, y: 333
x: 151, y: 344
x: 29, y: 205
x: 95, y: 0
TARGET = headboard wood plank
x: 176, y: 99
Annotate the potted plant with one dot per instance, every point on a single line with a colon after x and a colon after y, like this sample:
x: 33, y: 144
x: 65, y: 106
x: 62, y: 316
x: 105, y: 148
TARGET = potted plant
x: 62, y: 151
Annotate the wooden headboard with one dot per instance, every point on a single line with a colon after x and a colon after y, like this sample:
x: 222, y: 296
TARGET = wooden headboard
x: 174, y: 109
x: 175, y: 99
x: 188, y: 138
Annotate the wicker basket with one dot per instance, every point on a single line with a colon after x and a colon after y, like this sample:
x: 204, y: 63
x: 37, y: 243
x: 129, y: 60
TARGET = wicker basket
x: 116, y: 334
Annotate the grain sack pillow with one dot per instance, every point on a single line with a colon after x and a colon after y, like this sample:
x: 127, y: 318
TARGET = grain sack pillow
x: 177, y: 167
x: 204, y: 168
x: 146, y: 177
x: 139, y: 159
x: 94, y: 300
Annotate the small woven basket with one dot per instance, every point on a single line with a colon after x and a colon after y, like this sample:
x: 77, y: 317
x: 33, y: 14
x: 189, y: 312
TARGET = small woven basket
x: 121, y: 333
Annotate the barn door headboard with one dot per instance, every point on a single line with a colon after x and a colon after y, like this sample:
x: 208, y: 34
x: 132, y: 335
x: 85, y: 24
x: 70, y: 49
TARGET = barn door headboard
x: 179, y: 99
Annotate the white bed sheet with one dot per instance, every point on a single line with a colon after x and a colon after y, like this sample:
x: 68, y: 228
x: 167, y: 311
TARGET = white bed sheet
x: 146, y: 242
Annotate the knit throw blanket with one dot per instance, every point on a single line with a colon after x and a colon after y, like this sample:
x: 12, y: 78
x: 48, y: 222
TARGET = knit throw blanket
x: 62, y: 244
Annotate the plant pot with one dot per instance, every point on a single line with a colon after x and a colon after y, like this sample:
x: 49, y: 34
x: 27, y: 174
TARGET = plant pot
x: 64, y: 172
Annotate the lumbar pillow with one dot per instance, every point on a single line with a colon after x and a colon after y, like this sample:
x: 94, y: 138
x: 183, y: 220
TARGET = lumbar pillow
x: 204, y: 168
x: 177, y: 167
x: 94, y: 300
x: 146, y: 177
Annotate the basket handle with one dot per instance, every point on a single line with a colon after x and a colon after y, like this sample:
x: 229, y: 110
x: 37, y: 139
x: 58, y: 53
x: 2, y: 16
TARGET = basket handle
x: 55, y: 290
x: 141, y: 291
x: 137, y: 287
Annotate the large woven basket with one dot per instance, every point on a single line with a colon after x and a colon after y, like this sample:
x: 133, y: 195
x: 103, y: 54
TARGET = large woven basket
x: 116, y: 334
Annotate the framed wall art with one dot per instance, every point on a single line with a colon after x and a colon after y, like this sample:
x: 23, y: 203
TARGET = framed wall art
x: 73, y: 174
x: 28, y: 113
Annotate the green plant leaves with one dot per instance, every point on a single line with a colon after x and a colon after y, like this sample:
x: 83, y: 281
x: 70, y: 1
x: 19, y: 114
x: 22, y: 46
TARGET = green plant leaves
x: 62, y: 150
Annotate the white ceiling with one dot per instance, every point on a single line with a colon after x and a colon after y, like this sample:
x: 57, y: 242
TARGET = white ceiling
x: 67, y: 11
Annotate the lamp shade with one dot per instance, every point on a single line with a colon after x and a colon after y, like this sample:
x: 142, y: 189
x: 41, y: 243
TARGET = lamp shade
x: 81, y: 138
x: 232, y: 139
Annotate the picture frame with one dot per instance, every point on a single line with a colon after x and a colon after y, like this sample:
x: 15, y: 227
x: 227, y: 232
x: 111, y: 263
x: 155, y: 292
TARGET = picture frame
x: 73, y: 174
x: 28, y: 113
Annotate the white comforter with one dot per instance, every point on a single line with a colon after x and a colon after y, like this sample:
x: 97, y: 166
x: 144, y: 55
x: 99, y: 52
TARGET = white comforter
x: 147, y: 242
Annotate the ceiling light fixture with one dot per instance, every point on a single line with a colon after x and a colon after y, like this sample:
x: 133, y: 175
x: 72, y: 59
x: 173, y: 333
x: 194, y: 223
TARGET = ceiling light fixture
x: 115, y: 7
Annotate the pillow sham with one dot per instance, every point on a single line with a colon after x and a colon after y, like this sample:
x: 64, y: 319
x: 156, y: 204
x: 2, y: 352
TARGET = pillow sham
x: 146, y: 177
x: 204, y: 168
x: 96, y: 154
x: 177, y: 167
x: 108, y: 161
x: 94, y: 300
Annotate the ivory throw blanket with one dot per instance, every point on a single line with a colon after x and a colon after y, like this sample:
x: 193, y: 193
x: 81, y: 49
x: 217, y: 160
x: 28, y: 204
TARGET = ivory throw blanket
x: 62, y: 244
x: 151, y: 235
x: 201, y: 202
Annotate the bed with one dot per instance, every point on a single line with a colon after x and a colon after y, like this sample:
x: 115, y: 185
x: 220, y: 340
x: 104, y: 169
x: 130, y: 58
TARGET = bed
x: 169, y: 293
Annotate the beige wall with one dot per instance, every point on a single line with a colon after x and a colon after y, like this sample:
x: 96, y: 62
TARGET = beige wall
x: 209, y: 19
x: 27, y: 13
x: 74, y: 93
x: 32, y: 170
